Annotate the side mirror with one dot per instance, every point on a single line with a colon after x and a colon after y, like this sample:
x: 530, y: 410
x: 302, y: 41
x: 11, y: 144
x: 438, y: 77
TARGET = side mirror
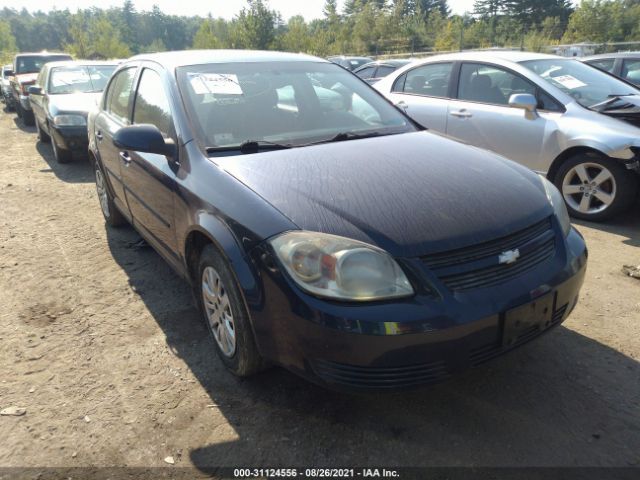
x: 144, y: 138
x: 525, y: 101
x: 9, y: 73
x: 35, y: 90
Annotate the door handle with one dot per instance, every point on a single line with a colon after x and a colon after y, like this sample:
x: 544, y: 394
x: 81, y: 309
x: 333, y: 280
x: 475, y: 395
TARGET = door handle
x: 401, y: 104
x: 126, y: 159
x: 99, y: 135
x: 461, y: 114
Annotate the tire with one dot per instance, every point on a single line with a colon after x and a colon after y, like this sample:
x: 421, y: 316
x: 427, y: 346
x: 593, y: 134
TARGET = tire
x: 595, y: 187
x: 220, y: 299
x: 19, y: 110
x: 112, y: 216
x: 28, y: 118
x: 43, y: 137
x: 61, y: 156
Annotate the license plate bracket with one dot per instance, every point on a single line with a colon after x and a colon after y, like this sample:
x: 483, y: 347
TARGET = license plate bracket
x: 527, y: 318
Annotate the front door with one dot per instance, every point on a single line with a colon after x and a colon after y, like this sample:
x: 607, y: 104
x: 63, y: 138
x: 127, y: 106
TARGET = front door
x: 481, y: 115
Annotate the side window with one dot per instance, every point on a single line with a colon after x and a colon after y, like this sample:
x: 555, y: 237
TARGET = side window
x: 631, y: 71
x: 151, y: 103
x: 605, y: 64
x: 489, y: 84
x: 366, y: 72
x: 117, y: 97
x: 384, y: 70
x: 546, y: 102
x: 431, y: 80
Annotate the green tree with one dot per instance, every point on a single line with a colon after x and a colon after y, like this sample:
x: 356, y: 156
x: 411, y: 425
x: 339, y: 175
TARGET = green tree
x: 8, y: 45
x: 205, y: 38
x: 105, y: 40
x: 255, y: 26
x: 296, y: 38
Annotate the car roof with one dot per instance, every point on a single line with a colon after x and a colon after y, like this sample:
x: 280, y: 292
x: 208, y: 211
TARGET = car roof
x: 503, y: 55
x: 76, y: 63
x: 612, y: 55
x: 172, y: 60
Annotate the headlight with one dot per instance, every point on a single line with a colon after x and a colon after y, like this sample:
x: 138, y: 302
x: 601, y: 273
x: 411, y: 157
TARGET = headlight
x: 337, y: 267
x: 69, y: 120
x: 557, y: 202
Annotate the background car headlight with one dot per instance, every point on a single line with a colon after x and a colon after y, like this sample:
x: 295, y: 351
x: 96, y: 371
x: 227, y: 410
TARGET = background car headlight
x: 337, y: 267
x: 557, y: 202
x: 69, y: 120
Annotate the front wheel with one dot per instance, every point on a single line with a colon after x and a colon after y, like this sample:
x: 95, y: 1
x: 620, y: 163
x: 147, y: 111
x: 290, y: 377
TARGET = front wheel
x: 595, y: 187
x: 43, y: 137
x: 61, y: 156
x: 28, y: 118
x: 225, y: 315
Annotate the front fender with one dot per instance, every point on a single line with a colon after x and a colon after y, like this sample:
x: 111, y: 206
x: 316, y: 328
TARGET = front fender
x: 224, y: 240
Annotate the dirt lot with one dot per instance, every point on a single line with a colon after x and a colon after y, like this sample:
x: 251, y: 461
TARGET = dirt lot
x: 100, y: 343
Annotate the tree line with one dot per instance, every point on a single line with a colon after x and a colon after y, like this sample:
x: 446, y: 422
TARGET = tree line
x: 360, y: 27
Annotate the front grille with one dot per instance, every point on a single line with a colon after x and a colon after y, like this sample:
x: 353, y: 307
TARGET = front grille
x: 478, y: 266
x: 381, y: 377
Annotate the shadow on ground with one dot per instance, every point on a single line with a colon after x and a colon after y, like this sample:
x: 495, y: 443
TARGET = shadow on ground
x: 626, y: 225
x: 77, y: 171
x: 564, y: 399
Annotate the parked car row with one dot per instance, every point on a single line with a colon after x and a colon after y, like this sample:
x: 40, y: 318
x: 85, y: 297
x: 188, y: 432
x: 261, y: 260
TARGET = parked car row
x: 576, y: 125
x: 359, y: 244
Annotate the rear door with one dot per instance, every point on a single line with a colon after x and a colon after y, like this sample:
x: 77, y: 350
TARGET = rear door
x: 424, y: 94
x: 115, y: 113
x: 150, y: 179
x: 481, y: 116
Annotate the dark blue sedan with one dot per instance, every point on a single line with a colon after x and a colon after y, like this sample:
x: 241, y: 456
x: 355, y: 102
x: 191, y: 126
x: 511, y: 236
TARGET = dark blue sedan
x: 323, y: 230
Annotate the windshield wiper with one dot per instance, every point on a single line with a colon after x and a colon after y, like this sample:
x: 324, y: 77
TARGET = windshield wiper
x: 343, y: 136
x: 250, y: 146
x: 602, y: 106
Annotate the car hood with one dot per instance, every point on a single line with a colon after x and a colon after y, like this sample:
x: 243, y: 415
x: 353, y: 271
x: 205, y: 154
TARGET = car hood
x: 410, y: 194
x: 26, y: 77
x: 626, y: 108
x: 74, y: 102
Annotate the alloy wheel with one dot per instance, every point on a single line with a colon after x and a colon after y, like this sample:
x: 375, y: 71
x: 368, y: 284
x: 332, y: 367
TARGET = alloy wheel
x: 217, y: 306
x: 589, y: 188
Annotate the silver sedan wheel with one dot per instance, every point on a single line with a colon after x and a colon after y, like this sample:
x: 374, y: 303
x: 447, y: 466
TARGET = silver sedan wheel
x: 589, y: 188
x: 103, y: 196
x: 217, y: 308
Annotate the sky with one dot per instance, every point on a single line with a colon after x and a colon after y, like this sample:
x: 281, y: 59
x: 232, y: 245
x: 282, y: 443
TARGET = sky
x: 309, y: 9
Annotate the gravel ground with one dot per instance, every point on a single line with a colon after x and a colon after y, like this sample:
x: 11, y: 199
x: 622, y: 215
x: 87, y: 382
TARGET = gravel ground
x: 100, y: 343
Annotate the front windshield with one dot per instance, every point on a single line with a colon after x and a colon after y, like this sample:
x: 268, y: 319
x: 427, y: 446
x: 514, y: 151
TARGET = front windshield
x: 33, y: 63
x: 290, y: 103
x: 80, y: 79
x: 587, y: 85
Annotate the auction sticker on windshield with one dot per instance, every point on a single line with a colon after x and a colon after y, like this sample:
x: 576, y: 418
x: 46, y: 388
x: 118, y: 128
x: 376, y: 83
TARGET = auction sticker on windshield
x: 569, y: 81
x: 224, y: 84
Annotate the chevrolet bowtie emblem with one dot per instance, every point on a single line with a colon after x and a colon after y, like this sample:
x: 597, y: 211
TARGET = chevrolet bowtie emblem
x: 509, y: 256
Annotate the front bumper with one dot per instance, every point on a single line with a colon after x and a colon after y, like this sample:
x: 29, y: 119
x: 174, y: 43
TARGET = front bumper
x: 70, y: 138
x: 422, y: 340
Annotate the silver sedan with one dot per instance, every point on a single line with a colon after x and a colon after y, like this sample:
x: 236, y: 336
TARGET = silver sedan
x: 564, y: 119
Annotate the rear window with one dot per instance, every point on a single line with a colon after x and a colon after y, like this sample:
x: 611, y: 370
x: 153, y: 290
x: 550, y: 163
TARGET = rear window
x: 80, y: 79
x: 33, y: 63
